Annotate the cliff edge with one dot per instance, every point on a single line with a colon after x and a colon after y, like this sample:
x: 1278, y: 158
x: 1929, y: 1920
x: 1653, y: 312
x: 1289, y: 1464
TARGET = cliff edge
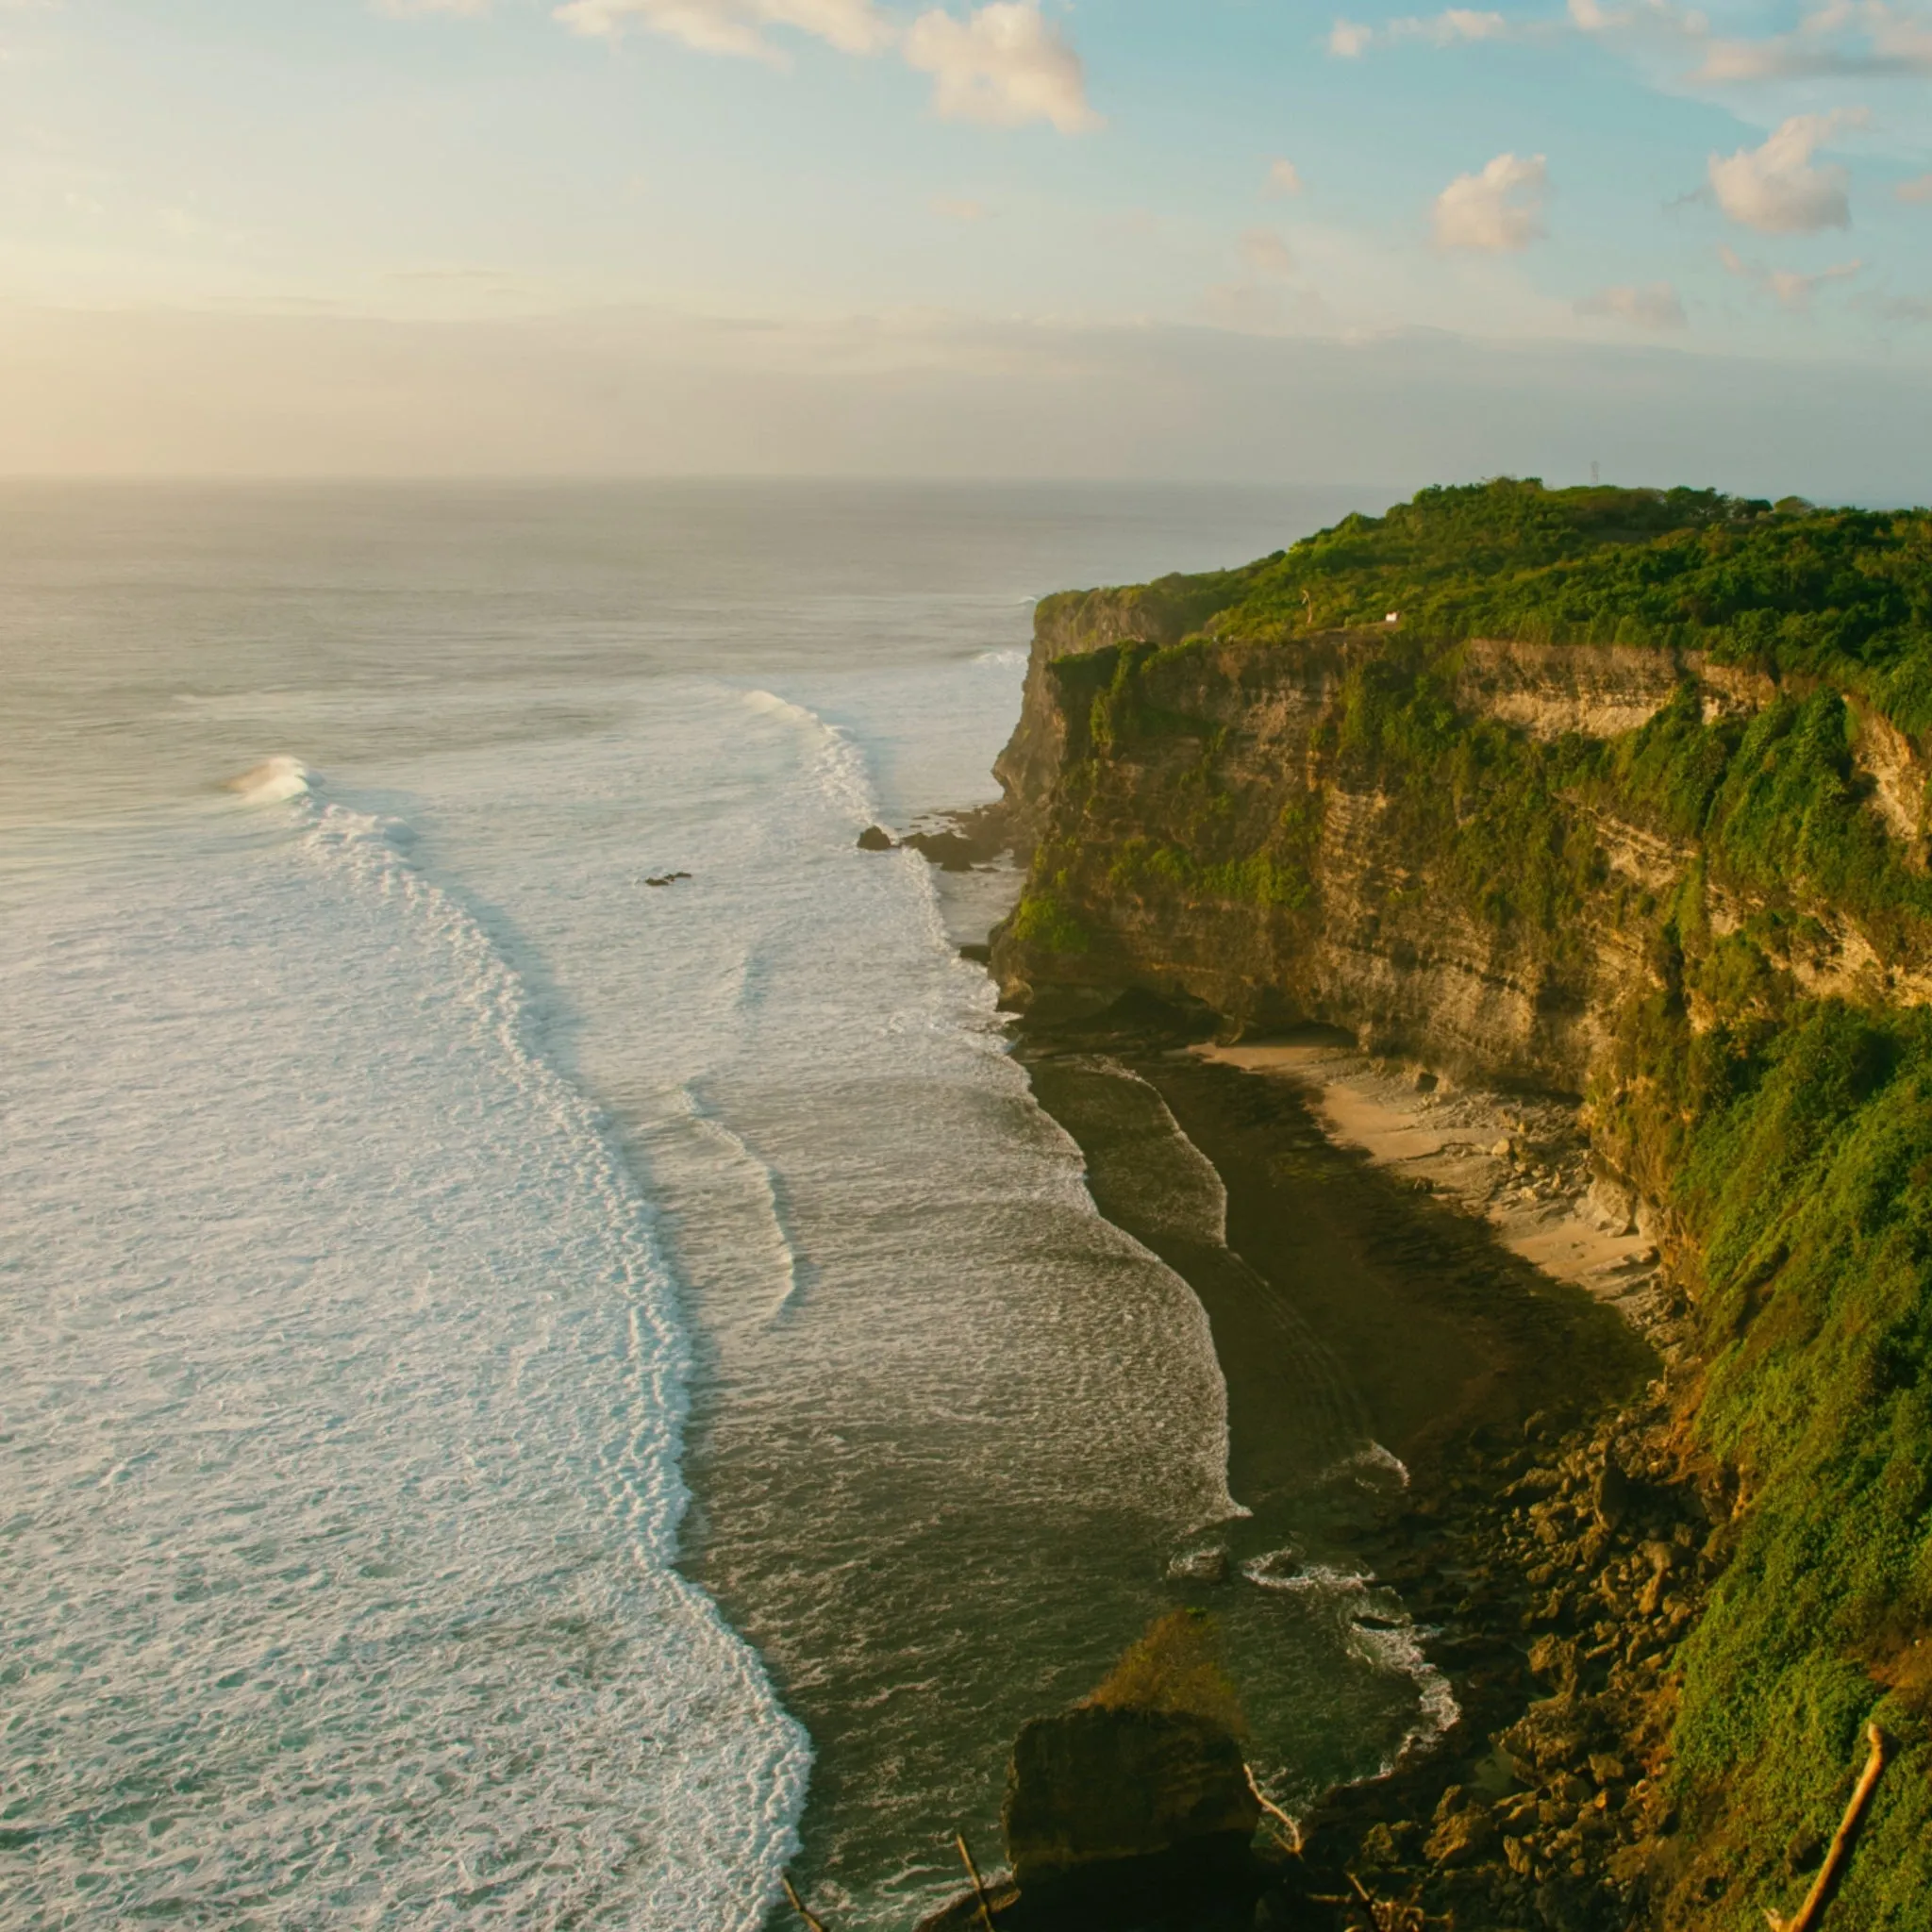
x: 1621, y: 795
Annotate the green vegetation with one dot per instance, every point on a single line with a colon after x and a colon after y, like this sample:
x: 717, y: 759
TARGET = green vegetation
x: 1176, y: 1667
x: 1809, y: 1187
x: 1042, y: 921
x: 1793, y: 1137
x: 1835, y: 594
x: 1490, y: 803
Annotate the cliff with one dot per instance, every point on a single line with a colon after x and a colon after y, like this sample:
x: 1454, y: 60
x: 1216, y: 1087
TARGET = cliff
x: 1250, y: 828
x: 1661, y: 845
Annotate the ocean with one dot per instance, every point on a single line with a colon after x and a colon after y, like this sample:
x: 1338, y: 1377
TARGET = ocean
x: 554, y: 1366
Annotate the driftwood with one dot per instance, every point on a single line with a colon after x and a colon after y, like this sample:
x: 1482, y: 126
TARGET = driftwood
x: 1815, y: 1900
x: 1290, y: 1834
x: 1386, y: 1914
x: 978, y: 1889
x: 798, y: 1904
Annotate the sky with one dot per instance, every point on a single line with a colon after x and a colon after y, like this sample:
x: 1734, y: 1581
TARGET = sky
x: 1233, y: 238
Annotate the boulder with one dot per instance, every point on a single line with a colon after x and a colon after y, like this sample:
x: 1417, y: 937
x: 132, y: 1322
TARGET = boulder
x: 875, y: 838
x: 1460, y: 1839
x: 949, y: 850
x: 1102, y: 1799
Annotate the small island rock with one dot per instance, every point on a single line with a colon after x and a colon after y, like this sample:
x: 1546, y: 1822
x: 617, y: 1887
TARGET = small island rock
x: 1096, y: 1794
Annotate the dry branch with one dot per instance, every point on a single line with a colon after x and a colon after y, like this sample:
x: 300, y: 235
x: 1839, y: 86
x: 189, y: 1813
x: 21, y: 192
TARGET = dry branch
x: 978, y: 1889
x: 1813, y: 1909
x: 1270, y: 1809
x: 798, y: 1904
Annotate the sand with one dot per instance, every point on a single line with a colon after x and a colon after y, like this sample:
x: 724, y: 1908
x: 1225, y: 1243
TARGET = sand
x: 1519, y: 1164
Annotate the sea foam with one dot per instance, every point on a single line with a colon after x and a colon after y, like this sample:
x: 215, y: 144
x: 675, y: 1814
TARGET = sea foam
x: 340, y: 1447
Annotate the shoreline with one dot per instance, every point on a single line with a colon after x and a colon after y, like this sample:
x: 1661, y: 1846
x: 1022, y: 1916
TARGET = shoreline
x: 1525, y: 1545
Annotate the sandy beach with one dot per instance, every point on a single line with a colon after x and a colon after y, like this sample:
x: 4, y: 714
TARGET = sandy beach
x: 1518, y: 1163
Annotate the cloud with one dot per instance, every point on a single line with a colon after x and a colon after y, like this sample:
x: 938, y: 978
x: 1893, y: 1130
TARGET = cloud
x: 1653, y: 306
x: 735, y: 26
x: 1456, y: 24
x: 405, y: 9
x: 1918, y: 189
x: 1003, y: 64
x: 1349, y: 40
x: 1777, y: 190
x: 1843, y: 37
x: 1266, y: 253
x: 1792, y: 290
x: 1284, y: 177
x: 1838, y: 39
x: 1266, y: 309
x: 1497, y: 210
x: 959, y: 210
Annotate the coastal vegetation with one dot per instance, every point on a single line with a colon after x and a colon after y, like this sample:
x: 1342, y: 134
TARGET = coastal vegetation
x: 1766, y: 1074
x: 1785, y: 587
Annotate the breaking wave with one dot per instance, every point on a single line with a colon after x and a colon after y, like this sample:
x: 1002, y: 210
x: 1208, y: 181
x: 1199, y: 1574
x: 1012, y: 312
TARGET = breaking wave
x: 275, y: 781
x: 1379, y: 1633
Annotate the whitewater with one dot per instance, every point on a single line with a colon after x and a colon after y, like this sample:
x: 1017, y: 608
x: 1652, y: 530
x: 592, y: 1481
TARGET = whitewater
x: 555, y: 1369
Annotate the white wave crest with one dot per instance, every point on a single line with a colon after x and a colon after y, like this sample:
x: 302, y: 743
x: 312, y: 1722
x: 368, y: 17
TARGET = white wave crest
x: 787, y: 1271
x: 839, y: 764
x: 748, y: 1826
x: 1373, y: 1467
x: 1176, y: 1188
x: 275, y: 781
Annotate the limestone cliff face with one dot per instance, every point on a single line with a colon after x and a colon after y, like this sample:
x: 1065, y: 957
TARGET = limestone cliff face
x: 1206, y: 825
x: 1073, y: 623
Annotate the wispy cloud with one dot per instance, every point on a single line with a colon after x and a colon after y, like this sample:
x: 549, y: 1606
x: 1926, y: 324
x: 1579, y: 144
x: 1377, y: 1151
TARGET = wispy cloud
x: 1919, y: 188
x: 735, y: 26
x: 1349, y: 40
x: 1789, y: 289
x: 1844, y: 37
x: 1654, y: 306
x: 1003, y: 63
x: 1840, y: 38
x: 956, y: 210
x: 402, y: 9
x: 1284, y: 177
x: 1776, y: 189
x: 1497, y: 210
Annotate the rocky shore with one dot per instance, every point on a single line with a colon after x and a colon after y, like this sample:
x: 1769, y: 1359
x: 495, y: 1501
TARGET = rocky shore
x: 1560, y: 1576
x: 1557, y: 1571
x: 1554, y: 1560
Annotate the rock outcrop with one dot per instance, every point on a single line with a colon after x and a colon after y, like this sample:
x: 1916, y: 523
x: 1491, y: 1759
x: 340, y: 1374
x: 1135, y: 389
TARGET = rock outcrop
x: 1119, y: 1819
x: 1122, y: 1797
